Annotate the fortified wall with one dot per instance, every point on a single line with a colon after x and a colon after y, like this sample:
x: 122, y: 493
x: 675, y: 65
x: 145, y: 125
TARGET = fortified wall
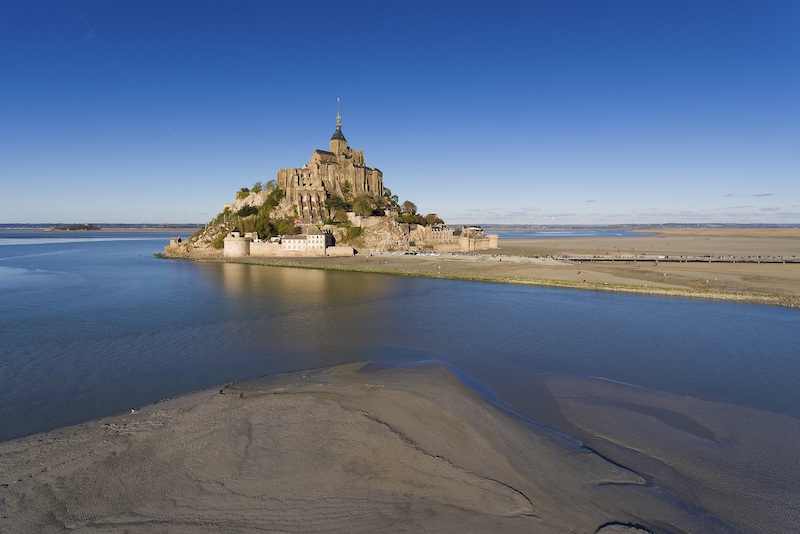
x: 441, y: 238
x: 313, y: 242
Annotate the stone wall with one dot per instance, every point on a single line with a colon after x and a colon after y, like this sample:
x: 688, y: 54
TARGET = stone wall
x: 236, y: 246
x: 339, y: 251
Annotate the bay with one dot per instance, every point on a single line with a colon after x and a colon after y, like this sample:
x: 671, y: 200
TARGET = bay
x: 96, y: 325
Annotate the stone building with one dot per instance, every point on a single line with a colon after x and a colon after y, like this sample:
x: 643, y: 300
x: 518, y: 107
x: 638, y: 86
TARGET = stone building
x: 333, y: 172
x: 441, y: 238
x: 312, y: 242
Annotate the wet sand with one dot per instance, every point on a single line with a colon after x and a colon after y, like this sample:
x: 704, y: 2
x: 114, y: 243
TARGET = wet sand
x: 352, y: 449
x: 737, y: 464
x: 404, y: 449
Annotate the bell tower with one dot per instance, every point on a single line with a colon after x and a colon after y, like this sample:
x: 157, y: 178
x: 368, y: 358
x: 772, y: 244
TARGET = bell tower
x: 338, y: 142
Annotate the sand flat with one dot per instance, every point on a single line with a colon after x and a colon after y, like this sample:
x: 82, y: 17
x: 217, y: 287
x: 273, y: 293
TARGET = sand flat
x: 736, y: 463
x: 336, y: 450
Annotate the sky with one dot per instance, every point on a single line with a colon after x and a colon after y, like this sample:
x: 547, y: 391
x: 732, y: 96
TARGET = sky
x: 531, y: 112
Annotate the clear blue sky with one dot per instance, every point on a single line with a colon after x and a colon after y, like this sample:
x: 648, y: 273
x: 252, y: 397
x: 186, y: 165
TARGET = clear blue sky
x: 484, y: 112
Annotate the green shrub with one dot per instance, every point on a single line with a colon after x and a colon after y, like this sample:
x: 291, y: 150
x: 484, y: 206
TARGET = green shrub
x: 432, y: 219
x: 285, y: 227
x: 363, y: 206
x: 410, y: 218
x: 218, y: 241
x: 273, y: 199
x: 246, y: 211
x: 337, y: 203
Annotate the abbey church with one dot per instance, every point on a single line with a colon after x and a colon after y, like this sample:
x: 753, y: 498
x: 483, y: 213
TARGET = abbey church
x: 335, y: 172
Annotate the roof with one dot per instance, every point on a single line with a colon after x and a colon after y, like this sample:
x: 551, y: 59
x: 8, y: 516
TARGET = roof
x: 338, y: 135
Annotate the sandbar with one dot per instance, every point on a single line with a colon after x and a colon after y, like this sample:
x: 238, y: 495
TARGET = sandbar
x: 355, y: 448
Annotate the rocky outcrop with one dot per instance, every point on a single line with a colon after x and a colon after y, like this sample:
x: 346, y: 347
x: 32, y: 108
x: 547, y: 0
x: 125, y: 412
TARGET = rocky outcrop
x: 386, y: 235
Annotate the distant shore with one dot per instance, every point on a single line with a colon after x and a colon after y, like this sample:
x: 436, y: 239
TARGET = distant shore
x: 184, y: 231
x: 745, y: 265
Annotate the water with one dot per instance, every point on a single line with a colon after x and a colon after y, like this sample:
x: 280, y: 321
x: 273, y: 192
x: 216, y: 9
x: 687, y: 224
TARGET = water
x: 95, y: 325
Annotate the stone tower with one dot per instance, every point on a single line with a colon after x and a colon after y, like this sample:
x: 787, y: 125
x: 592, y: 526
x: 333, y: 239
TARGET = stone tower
x: 338, y: 142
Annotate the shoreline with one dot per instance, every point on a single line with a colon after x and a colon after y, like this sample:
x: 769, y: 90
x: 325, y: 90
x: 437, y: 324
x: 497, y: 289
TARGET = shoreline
x: 609, y: 275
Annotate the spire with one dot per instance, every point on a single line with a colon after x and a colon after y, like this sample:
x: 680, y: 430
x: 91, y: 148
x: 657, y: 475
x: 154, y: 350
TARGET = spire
x: 338, y: 135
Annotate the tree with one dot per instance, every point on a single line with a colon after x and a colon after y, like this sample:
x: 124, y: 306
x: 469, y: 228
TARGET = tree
x: 263, y: 226
x: 432, y: 219
x: 335, y: 203
x: 247, y: 210
x: 391, y: 200
x: 272, y: 184
x: 340, y: 215
x: 285, y: 227
x: 409, y: 207
x: 271, y: 202
x: 362, y: 206
x: 257, y: 187
x: 410, y: 218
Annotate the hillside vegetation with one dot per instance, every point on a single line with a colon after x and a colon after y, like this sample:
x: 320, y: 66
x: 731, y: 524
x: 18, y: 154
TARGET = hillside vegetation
x: 264, y: 209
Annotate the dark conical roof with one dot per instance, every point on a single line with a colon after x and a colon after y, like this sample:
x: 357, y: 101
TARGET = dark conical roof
x: 338, y: 135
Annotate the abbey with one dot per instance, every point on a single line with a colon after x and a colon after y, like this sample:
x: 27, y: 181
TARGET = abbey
x: 339, y: 171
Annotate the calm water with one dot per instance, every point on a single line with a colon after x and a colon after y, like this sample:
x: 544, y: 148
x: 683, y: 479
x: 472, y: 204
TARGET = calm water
x: 96, y: 325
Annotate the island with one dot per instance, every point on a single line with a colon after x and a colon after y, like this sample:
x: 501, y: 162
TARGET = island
x: 335, y: 213
x: 333, y: 206
x: 74, y: 228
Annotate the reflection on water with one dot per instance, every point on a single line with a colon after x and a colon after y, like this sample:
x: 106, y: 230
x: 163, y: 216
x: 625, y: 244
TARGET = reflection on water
x: 296, y: 287
x: 103, y: 327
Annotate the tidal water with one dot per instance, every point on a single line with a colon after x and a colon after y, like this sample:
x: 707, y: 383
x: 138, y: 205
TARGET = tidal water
x: 93, y: 325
